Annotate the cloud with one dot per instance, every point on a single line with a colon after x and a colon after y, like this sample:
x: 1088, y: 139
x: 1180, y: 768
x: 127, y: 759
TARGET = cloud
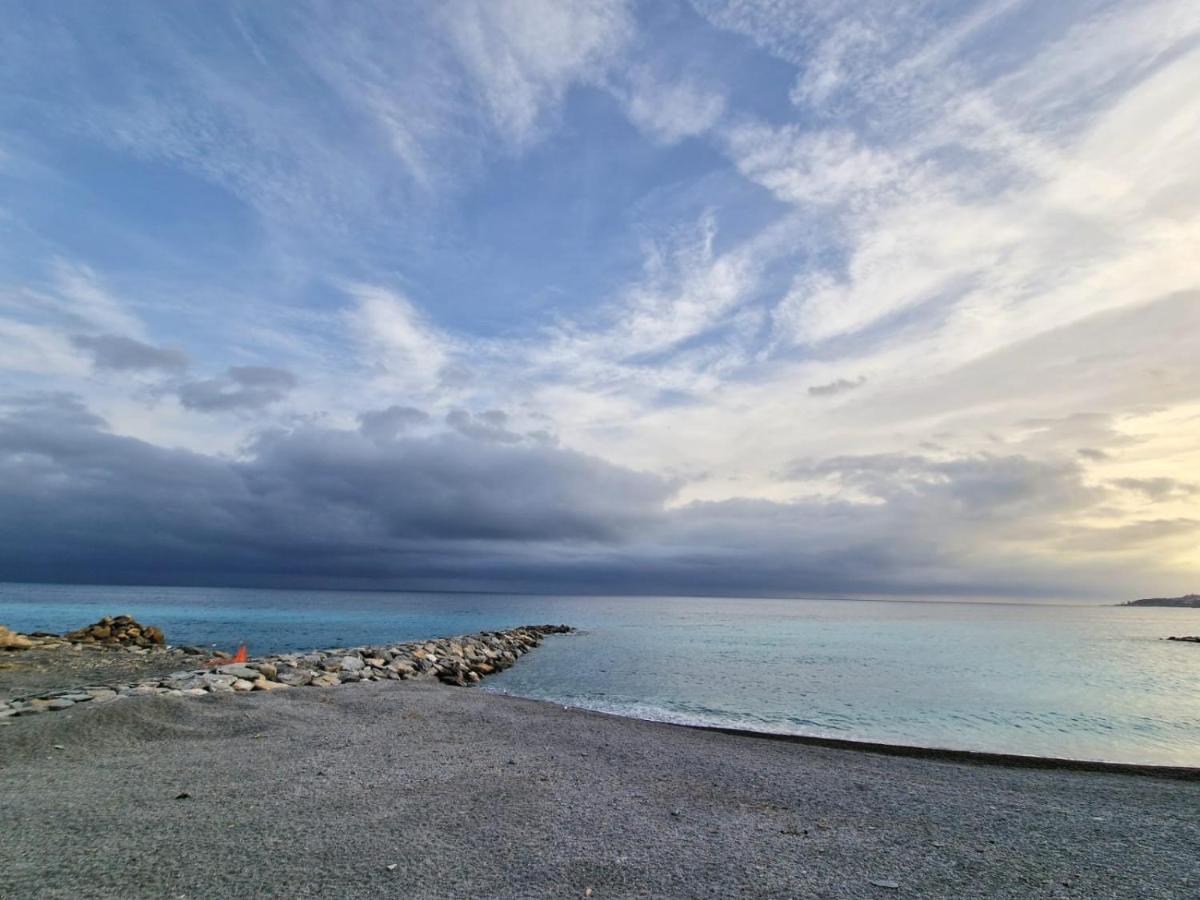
x: 1157, y: 489
x: 803, y: 166
x: 327, y: 506
x: 320, y: 502
x: 523, y: 55
x: 485, y: 426
x: 668, y: 109
x: 124, y: 354
x: 405, y: 344
x: 387, y: 424
x: 833, y: 388
x: 241, y: 388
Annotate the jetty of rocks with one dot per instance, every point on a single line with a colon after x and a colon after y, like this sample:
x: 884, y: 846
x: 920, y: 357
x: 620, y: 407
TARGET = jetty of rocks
x: 462, y: 660
x: 1190, y: 638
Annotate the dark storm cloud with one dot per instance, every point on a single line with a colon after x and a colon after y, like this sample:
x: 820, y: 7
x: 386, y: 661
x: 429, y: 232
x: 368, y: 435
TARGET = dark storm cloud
x: 841, y: 386
x: 386, y: 424
x: 124, y: 354
x: 444, y: 509
x: 241, y: 388
x: 485, y: 426
x: 80, y: 503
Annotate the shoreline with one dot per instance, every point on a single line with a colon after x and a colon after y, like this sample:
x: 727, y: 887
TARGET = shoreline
x: 972, y: 757
x: 445, y: 660
x: 910, y: 751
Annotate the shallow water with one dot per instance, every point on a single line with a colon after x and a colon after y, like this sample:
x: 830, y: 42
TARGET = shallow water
x: 1081, y: 681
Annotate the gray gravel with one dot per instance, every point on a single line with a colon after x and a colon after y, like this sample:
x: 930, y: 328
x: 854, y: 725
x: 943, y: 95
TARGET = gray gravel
x: 421, y: 790
x: 31, y: 673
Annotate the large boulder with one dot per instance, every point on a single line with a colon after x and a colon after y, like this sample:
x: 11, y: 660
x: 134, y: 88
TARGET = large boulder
x: 11, y: 640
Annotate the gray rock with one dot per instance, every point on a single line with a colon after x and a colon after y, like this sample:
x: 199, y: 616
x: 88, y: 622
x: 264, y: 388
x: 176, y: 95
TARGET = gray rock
x: 351, y: 664
x: 237, y: 670
x: 60, y: 703
x: 218, y: 682
x: 243, y: 685
x: 268, y: 669
x: 294, y: 677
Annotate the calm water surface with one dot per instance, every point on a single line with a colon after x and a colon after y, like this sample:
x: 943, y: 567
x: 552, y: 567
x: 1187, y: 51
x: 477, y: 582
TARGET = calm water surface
x: 1089, y: 682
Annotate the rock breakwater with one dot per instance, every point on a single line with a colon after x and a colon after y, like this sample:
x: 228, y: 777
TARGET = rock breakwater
x: 462, y: 660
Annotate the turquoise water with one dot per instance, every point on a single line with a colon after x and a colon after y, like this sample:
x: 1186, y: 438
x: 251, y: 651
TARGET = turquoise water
x: 1088, y: 682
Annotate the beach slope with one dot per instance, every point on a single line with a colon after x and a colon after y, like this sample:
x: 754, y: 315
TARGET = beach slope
x: 419, y: 789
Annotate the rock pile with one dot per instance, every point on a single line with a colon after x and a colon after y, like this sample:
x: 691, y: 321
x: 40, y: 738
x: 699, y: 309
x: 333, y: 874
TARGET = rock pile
x: 461, y: 660
x: 1190, y: 638
x: 114, y: 631
x: 110, y: 633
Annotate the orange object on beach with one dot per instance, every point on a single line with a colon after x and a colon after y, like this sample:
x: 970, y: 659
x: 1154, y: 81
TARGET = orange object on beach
x: 240, y: 657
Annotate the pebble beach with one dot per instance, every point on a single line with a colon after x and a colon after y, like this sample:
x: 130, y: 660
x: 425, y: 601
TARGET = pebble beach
x: 420, y: 787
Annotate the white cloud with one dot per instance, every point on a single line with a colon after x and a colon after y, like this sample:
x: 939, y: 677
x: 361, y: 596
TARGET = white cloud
x: 812, y: 167
x: 523, y: 55
x: 670, y: 110
x: 405, y: 346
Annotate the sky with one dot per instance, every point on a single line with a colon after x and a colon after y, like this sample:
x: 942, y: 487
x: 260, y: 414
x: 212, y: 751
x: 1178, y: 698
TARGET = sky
x: 775, y: 297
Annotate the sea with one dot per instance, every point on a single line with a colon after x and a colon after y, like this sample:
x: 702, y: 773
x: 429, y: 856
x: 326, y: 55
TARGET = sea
x: 1082, y: 681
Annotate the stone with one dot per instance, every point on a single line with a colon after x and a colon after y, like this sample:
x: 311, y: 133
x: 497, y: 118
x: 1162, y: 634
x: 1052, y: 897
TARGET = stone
x: 216, y: 682
x: 885, y: 883
x: 295, y: 677
x: 243, y: 685
x: 351, y: 664
x: 102, y: 695
x: 265, y: 684
x: 10, y: 640
x: 268, y: 669
x: 238, y: 670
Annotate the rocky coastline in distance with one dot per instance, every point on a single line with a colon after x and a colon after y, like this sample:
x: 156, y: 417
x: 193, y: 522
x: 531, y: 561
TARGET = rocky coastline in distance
x: 1187, y: 601
x: 461, y: 660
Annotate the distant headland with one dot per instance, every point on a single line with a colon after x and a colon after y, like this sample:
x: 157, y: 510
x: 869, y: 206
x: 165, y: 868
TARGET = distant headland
x: 1191, y: 601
